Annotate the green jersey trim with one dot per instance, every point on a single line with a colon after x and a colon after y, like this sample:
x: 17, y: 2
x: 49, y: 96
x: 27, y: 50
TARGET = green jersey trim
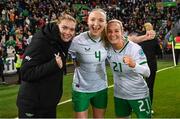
x: 122, y: 48
x: 92, y: 38
x: 144, y: 62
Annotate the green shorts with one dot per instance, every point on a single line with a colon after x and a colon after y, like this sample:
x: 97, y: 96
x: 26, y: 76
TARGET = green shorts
x: 141, y: 107
x: 81, y: 100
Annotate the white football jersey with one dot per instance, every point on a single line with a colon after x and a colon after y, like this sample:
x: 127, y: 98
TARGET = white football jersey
x: 90, y: 76
x: 129, y: 82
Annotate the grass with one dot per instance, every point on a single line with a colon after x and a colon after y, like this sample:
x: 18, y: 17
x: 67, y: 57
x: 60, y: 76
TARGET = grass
x: 166, y: 97
x: 8, y: 101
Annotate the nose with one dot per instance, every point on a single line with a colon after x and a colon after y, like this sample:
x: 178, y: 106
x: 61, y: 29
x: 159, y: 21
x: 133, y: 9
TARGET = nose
x: 96, y: 23
x: 68, y: 31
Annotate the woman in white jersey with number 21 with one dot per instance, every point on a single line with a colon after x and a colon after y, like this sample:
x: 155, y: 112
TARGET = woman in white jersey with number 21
x: 90, y: 80
x: 129, y: 65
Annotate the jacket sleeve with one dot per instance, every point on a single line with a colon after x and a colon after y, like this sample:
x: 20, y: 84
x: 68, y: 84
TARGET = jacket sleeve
x: 34, y: 73
x: 35, y: 67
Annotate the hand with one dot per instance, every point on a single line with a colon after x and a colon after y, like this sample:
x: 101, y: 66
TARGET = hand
x: 129, y: 61
x: 150, y: 34
x: 58, y: 60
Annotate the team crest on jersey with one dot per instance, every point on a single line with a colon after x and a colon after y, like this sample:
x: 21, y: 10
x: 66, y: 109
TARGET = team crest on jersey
x: 141, y: 53
x: 87, y: 49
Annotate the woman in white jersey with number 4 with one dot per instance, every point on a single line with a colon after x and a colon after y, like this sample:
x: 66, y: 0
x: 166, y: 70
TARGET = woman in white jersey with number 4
x: 90, y: 80
x: 129, y: 66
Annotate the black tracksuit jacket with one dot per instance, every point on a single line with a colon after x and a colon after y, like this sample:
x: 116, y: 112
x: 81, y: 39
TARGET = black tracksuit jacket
x: 42, y: 79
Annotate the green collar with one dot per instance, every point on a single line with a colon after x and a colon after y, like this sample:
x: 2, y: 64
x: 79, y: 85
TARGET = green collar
x: 93, y: 39
x: 126, y: 42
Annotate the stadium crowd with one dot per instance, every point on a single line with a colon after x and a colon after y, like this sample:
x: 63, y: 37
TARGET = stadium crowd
x: 19, y: 20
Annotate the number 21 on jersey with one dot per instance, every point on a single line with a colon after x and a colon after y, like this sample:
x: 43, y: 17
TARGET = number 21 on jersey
x: 117, y: 66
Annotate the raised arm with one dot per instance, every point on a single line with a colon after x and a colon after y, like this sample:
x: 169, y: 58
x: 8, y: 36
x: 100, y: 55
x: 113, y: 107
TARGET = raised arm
x: 148, y: 36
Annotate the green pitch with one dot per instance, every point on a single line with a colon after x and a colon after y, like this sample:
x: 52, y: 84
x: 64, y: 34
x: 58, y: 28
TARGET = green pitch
x: 166, y: 96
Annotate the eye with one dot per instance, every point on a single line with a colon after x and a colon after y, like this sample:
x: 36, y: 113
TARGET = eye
x: 72, y: 29
x: 117, y: 31
x: 101, y: 20
x: 109, y: 31
x: 92, y: 19
x: 64, y: 27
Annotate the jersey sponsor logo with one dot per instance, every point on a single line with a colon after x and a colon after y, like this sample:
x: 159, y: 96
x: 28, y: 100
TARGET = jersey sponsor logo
x: 87, y: 49
x: 109, y: 56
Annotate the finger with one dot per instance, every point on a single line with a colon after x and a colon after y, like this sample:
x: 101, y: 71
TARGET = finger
x: 56, y: 54
x: 59, y: 57
x: 125, y: 60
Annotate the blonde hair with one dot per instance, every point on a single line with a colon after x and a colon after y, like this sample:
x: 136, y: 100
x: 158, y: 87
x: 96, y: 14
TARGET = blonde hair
x: 99, y: 10
x: 148, y: 26
x: 117, y: 21
x: 65, y: 16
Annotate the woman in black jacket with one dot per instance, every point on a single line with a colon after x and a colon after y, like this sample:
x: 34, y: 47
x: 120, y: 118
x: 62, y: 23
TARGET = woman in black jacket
x: 42, y: 69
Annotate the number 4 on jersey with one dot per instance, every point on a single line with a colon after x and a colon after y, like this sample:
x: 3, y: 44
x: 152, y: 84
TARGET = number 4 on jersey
x: 98, y: 55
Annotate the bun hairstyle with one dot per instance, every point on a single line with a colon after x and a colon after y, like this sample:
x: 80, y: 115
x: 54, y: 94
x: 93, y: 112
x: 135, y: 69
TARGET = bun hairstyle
x: 148, y: 26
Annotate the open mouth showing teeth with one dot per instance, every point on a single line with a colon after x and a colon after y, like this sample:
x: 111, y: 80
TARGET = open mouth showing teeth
x: 66, y: 36
x: 95, y: 28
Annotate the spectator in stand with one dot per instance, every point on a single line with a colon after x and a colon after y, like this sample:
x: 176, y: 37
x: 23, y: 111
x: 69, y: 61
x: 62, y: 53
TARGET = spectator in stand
x: 18, y: 61
x: 2, y: 66
x: 28, y: 40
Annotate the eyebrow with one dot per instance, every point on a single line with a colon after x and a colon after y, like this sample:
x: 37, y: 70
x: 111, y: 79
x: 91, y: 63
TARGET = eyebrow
x: 68, y: 26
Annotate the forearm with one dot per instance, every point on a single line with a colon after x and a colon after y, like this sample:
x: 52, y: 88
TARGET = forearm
x: 150, y: 35
x: 137, y: 39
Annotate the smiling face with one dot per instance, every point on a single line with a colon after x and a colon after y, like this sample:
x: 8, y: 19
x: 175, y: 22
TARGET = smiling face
x: 67, y: 26
x: 115, y: 32
x: 67, y: 29
x: 96, y: 23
